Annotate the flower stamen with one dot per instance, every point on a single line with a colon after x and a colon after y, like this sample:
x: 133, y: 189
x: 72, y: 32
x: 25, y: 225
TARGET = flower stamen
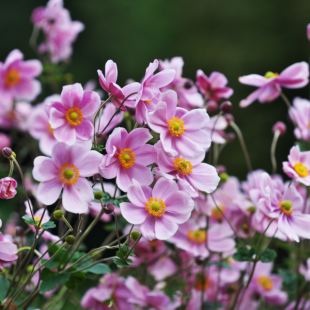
x: 127, y: 158
x: 12, y: 78
x: 286, y: 206
x: 176, y: 126
x: 265, y: 282
x: 183, y: 166
x: 270, y: 74
x: 68, y: 174
x: 301, y: 170
x: 198, y: 236
x: 155, y: 207
x: 74, y: 116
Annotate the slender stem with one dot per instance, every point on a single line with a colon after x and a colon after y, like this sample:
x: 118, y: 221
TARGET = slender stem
x: 136, y: 126
x: 287, y: 102
x: 115, y: 190
x: 121, y: 197
x: 95, y: 263
x: 29, y: 248
x: 117, y: 234
x: 273, y: 151
x: 302, y: 292
x: 39, y: 225
x: 11, y: 168
x: 68, y: 224
x: 133, y: 247
x: 240, y: 282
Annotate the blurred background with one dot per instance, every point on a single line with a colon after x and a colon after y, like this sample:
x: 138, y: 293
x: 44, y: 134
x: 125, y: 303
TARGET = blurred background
x: 233, y: 37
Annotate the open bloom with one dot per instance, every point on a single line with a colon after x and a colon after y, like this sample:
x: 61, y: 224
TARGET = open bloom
x: 67, y: 170
x: 127, y: 157
x: 192, y: 176
x: 158, y: 211
x: 295, y: 76
x: 17, y: 79
x: 213, y: 87
x: 69, y: 118
x: 215, y: 128
x: 5, y: 140
x: 298, y: 165
x: 287, y: 206
x: 7, y: 188
x: 181, y: 131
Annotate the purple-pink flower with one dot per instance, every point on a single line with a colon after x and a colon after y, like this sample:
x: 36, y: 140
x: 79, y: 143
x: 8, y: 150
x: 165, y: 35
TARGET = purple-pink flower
x: 8, y: 251
x: 158, y: 210
x: 181, y: 131
x: 69, y: 117
x: 295, y: 76
x: 5, y: 140
x: 67, y: 170
x: 127, y: 157
x: 7, y: 188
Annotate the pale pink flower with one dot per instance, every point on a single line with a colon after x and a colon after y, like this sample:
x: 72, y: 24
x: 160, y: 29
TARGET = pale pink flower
x: 69, y: 118
x: 127, y: 157
x: 213, y: 87
x: 215, y: 128
x: 158, y: 210
x: 181, y: 131
x: 8, y: 251
x: 298, y: 165
x: 5, y: 140
x: 7, y: 188
x: 67, y: 170
x: 162, y: 268
x: 17, y: 79
x: 295, y: 76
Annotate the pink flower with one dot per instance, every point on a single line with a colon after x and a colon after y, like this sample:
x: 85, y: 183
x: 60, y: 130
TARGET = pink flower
x: 214, y: 87
x: 298, y: 165
x: 7, y: 188
x: 158, y: 210
x: 67, y: 170
x: 193, y: 176
x: 5, y: 140
x: 305, y: 271
x: 148, y: 92
x: 110, y: 287
x: 162, y: 268
x: 127, y: 157
x: 69, y: 118
x: 215, y: 128
x: 181, y: 132
x: 8, y: 251
x: 295, y: 76
x: 287, y: 206
x: 300, y: 115
x: 17, y: 79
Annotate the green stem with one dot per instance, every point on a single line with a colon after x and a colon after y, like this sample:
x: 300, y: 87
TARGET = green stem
x: 273, y: 151
x: 95, y: 263
x: 11, y: 168
x: 67, y: 223
x: 287, y: 102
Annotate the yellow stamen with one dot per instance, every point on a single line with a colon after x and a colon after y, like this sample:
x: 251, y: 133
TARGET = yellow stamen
x: 176, y: 126
x: 301, y: 170
x: 202, y: 281
x: 148, y: 101
x: 127, y: 158
x: 12, y: 78
x: 265, y: 282
x: 68, y: 174
x: 286, y: 207
x: 217, y: 214
x: 270, y: 74
x: 198, y: 236
x: 37, y: 218
x: 74, y: 116
x: 183, y: 166
x: 155, y: 206
x: 50, y: 130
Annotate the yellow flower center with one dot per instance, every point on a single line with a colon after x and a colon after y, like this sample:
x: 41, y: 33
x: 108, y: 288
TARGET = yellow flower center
x: 74, y: 116
x: 148, y: 101
x: 37, y: 218
x: 270, y: 74
x: 176, y: 126
x: 301, y: 170
x: 217, y: 214
x: 50, y: 130
x: 155, y: 207
x: 202, y: 281
x: 127, y: 158
x: 68, y: 174
x: 286, y: 207
x: 12, y: 78
x: 265, y: 282
x: 198, y: 236
x: 183, y: 166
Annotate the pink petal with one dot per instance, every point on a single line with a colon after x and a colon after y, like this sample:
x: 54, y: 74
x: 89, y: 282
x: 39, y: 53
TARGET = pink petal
x: 71, y: 95
x: 295, y: 76
x: 269, y: 93
x: 146, y: 155
x: 284, y: 225
x: 164, y: 188
x: 30, y: 68
x: 132, y: 213
x: 251, y: 98
x: 163, y: 78
x: 111, y: 71
x: 116, y: 138
x: 109, y: 171
x: 90, y: 103
x: 300, y: 223
x: 49, y: 191
x: 85, y: 130
x: 140, y: 173
x: 137, y: 138
x: 195, y: 119
x: 88, y: 166
x: 102, y: 81
x: 136, y: 195
x: 187, y: 148
x: 57, y: 118
x: 253, y: 80
x: 65, y: 133
x: 148, y: 228
x: 157, y: 120
x: 170, y: 97
x: 123, y: 180
x: 44, y: 169
x: 27, y: 89
x: 165, y: 228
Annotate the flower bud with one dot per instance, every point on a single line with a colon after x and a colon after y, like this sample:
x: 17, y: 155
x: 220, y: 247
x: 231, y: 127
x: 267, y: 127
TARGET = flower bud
x: 108, y: 208
x: 99, y: 136
x: 229, y: 118
x: 70, y: 239
x: 13, y: 154
x: 199, y: 260
x: 279, y: 126
x: 245, y: 228
x: 220, y: 169
x: 188, y: 84
x: 98, y: 195
x: 226, y: 107
x: 224, y: 177
x: 212, y: 107
x: 19, y: 231
x: 97, y: 178
x: 29, y: 268
x: 58, y: 214
x: 7, y: 152
x: 252, y: 209
x: 230, y: 137
x: 135, y: 235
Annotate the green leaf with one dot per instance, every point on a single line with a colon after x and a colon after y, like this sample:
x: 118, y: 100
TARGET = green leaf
x: 48, y: 225
x: 50, y: 265
x: 4, y: 285
x: 75, y: 280
x: 268, y: 256
x: 120, y: 262
x: 99, y: 269
x: 244, y: 254
x: 51, y: 279
x: 28, y: 220
x: 289, y: 280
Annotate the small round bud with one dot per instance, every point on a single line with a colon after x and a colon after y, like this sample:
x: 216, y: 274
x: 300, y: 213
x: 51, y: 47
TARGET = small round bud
x: 230, y: 137
x: 70, y: 239
x: 229, y: 118
x: 58, y: 214
x: 226, y: 107
x: 108, y: 208
x: 252, y: 209
x: 220, y: 169
x: 29, y: 268
x: 287, y: 205
x: 97, y: 178
x: 279, y: 126
x: 135, y: 235
x: 188, y: 84
x: 224, y: 177
x: 19, y: 231
x: 199, y: 260
x: 98, y: 195
x: 212, y: 107
x: 245, y: 228
x: 99, y: 136
x: 7, y: 152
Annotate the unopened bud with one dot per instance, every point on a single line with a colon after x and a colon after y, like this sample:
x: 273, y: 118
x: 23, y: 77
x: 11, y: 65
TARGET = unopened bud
x: 97, y: 178
x: 108, y: 208
x: 58, y: 214
x: 19, y: 231
x: 188, y: 84
x: 135, y: 235
x: 245, y: 228
x: 229, y: 118
x: 252, y: 209
x: 70, y: 239
x: 279, y: 126
x: 212, y: 107
x: 29, y: 268
x: 230, y: 137
x: 98, y: 195
x: 99, y: 136
x: 199, y: 260
x: 220, y: 169
x: 226, y: 107
x: 224, y: 177
x: 7, y: 152
x: 231, y: 289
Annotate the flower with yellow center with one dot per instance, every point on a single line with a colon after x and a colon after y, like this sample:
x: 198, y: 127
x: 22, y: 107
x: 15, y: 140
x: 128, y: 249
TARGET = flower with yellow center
x: 127, y: 158
x: 68, y: 174
x: 176, y: 126
x: 37, y: 218
x: 202, y: 282
x: 265, y: 282
x: 217, y: 214
x: 286, y: 207
x: 301, y: 170
x: 271, y: 74
x: 12, y: 78
x: 74, y: 116
x: 155, y: 207
x: 183, y: 166
x: 198, y: 236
